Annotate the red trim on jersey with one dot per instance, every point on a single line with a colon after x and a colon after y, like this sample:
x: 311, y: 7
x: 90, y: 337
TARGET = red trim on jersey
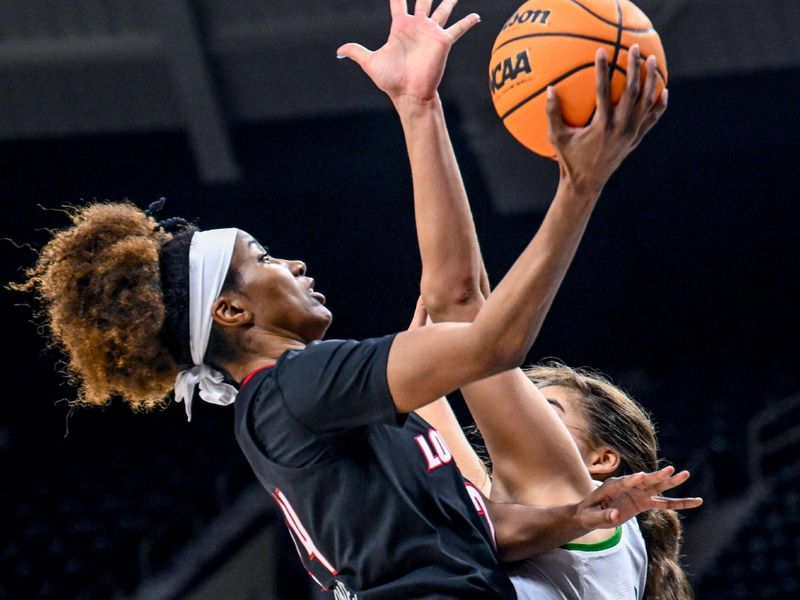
x: 293, y: 521
x: 479, y: 502
x: 253, y: 374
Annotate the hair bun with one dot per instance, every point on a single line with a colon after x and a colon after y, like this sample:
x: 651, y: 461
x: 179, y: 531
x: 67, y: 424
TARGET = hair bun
x: 155, y: 207
x: 174, y: 224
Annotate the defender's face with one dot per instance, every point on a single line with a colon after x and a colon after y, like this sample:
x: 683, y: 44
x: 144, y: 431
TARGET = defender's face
x: 566, y: 402
x: 282, y: 299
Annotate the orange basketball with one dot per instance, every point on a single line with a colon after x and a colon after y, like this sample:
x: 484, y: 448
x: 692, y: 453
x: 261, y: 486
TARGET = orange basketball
x: 553, y: 42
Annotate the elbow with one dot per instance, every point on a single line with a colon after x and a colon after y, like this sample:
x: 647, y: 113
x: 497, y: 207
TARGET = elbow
x: 491, y: 359
x: 502, y: 356
x: 448, y: 300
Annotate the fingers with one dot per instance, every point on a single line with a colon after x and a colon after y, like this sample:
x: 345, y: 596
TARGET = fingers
x: 459, y: 28
x: 602, y: 85
x: 398, y: 7
x: 556, y: 128
x: 672, y: 482
x: 603, y: 519
x: 633, y: 77
x: 652, y: 117
x: 423, y: 7
x: 632, y: 83
x: 656, y: 477
x: 443, y: 11
x: 355, y: 52
x: 649, y: 91
x: 676, y: 503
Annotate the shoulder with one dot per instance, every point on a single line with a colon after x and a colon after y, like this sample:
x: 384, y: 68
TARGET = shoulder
x: 332, y: 357
x: 323, y: 348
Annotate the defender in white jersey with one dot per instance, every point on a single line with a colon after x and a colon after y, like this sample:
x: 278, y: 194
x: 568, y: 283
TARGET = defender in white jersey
x: 599, y: 571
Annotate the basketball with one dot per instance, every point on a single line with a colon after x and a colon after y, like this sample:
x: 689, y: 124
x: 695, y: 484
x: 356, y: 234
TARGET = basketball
x: 553, y: 42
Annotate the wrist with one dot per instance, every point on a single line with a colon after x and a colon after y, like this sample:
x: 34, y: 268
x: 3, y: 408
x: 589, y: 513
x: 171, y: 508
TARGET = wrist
x: 582, y: 189
x: 582, y: 520
x: 408, y: 106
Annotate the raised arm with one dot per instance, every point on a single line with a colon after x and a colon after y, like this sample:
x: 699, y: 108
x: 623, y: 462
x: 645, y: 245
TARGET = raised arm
x: 428, y: 362
x: 431, y: 361
x: 535, y: 460
x: 408, y: 68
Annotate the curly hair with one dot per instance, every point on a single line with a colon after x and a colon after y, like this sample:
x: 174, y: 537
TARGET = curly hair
x: 99, y: 286
x: 113, y: 290
x: 615, y: 419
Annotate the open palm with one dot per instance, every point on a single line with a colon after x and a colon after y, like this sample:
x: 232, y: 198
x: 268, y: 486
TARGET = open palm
x: 622, y: 498
x: 412, y: 61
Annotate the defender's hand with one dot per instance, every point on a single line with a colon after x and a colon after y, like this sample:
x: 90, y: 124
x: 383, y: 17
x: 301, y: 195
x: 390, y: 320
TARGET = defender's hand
x: 622, y: 498
x: 589, y: 155
x: 411, y: 62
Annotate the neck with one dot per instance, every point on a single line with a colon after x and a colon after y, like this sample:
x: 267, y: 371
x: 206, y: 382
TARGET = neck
x: 266, y: 356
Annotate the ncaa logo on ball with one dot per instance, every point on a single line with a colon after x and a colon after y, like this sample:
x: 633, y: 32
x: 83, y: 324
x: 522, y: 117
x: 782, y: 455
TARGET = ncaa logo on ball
x: 508, y: 70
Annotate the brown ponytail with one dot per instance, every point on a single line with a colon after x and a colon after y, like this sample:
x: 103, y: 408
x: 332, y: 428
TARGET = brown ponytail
x: 618, y: 421
x: 662, y: 532
x: 98, y: 283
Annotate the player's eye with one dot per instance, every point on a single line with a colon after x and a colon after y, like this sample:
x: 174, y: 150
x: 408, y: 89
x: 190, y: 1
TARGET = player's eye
x: 266, y: 258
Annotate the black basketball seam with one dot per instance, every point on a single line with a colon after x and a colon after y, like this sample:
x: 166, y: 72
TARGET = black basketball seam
x: 521, y: 103
x: 606, y: 21
x: 577, y: 36
x: 538, y: 92
x: 618, y: 43
x: 569, y: 35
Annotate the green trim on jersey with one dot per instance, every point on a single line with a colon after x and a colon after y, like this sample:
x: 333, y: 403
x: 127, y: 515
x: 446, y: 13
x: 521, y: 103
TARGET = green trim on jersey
x: 597, y: 546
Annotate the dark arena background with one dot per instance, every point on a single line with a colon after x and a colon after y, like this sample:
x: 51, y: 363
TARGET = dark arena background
x: 685, y: 289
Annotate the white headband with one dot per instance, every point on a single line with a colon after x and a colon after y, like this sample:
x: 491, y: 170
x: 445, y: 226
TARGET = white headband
x: 210, y: 256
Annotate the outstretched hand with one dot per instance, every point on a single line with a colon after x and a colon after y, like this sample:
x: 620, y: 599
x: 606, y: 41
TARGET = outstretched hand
x: 590, y: 155
x: 619, y: 499
x: 411, y: 62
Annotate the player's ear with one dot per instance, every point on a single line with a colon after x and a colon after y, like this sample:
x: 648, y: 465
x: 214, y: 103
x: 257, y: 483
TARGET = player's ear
x: 603, y: 462
x: 229, y: 310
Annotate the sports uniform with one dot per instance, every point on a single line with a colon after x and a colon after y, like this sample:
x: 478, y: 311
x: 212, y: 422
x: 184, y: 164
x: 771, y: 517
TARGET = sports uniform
x: 373, y: 499
x: 615, y: 569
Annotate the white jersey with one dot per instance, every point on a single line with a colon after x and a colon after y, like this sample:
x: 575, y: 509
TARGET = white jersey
x: 615, y: 569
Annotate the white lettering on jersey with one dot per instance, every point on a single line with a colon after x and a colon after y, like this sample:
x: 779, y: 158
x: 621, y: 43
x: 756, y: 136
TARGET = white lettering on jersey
x: 441, y: 447
x: 438, y: 455
x: 480, y: 507
x: 340, y: 592
x: 293, y: 521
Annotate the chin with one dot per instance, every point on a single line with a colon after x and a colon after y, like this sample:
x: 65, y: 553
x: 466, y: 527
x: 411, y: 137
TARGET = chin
x: 321, y: 326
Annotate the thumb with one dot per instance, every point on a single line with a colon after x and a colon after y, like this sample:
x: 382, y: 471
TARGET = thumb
x: 605, y: 518
x: 355, y: 52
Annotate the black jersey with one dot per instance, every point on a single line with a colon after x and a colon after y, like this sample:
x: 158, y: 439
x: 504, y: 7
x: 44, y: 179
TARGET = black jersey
x: 373, y: 499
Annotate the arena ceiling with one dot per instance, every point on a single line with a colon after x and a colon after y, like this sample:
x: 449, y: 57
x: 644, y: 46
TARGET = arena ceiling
x: 86, y: 67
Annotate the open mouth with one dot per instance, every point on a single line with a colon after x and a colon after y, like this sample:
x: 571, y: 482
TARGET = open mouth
x: 316, y: 295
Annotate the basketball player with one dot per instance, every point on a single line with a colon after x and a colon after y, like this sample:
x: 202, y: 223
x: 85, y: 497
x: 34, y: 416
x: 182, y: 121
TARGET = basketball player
x: 368, y: 489
x: 535, y: 461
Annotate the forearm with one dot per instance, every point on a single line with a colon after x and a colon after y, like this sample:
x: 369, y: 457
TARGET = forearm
x: 528, y: 531
x: 433, y: 361
x: 535, y: 460
x: 440, y: 415
x: 452, y: 270
x: 515, y: 311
